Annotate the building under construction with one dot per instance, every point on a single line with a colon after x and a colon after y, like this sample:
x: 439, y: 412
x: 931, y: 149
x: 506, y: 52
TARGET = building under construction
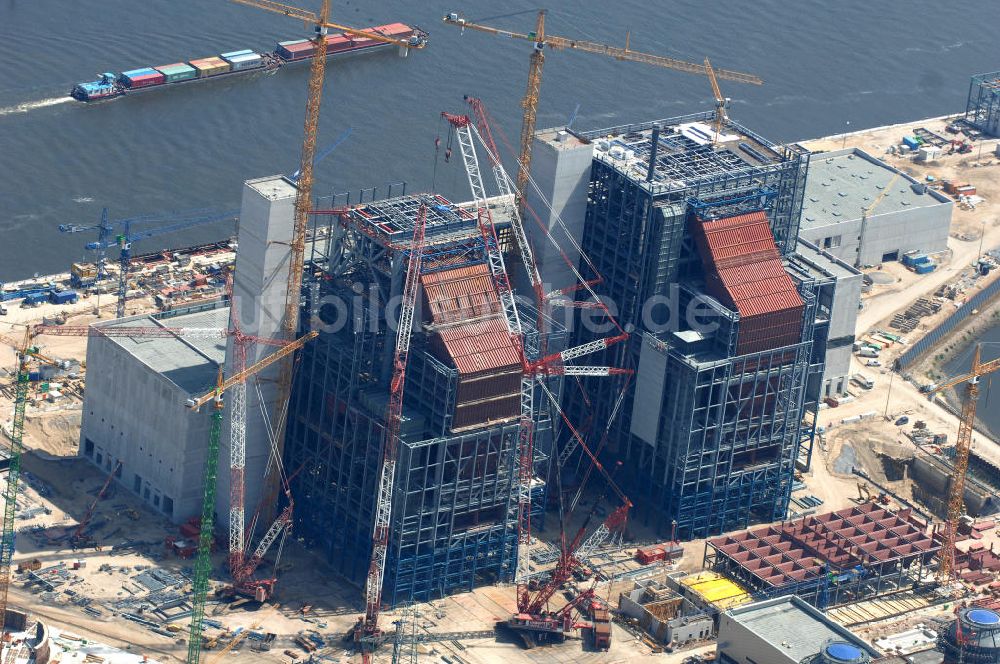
x: 982, y: 110
x: 828, y: 559
x: 454, y: 517
x: 691, y: 237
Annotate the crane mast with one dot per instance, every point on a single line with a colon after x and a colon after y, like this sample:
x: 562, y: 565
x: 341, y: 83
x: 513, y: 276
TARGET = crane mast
x: 369, y: 632
x: 14, y: 472
x: 530, y: 106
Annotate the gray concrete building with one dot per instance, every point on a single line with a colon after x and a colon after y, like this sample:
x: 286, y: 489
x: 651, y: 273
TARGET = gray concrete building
x: 560, y: 167
x: 908, y: 217
x: 841, y: 305
x: 134, y: 408
x: 787, y: 630
x: 267, y: 214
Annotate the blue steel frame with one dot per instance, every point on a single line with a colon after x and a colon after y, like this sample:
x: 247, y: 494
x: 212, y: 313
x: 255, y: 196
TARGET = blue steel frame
x: 449, y: 523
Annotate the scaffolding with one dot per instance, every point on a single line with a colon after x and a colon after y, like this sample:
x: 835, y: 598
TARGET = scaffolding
x: 450, y: 527
x: 982, y: 110
x: 830, y: 559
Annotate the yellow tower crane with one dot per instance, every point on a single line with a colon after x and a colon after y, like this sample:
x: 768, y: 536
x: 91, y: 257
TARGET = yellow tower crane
x: 303, y: 198
x: 963, y: 445
x: 721, y: 102
x: 541, y: 41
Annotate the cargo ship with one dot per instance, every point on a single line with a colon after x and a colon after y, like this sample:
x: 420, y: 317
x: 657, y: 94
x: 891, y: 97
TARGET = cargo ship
x: 111, y: 85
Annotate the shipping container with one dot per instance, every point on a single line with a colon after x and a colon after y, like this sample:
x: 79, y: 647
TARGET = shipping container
x: 299, y: 49
x: 177, y: 72
x: 63, y: 297
x: 234, y: 54
x: 911, y: 142
x: 337, y: 43
x: 924, y: 268
x: 141, y: 78
x: 246, y: 61
x: 210, y: 66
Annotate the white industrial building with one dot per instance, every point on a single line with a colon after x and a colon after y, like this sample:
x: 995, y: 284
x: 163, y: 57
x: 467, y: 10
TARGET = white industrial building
x: 787, y: 630
x: 134, y: 405
x: 907, y: 215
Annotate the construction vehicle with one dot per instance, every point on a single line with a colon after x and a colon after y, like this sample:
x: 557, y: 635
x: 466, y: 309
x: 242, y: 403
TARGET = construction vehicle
x: 203, y: 562
x: 16, y: 434
x: 963, y: 446
x: 960, y: 146
x: 368, y: 630
x: 540, y: 42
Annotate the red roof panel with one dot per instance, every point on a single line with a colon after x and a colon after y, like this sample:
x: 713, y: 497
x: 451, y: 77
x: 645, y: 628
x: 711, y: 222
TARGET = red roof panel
x: 479, y: 346
x: 744, y: 269
x: 463, y: 293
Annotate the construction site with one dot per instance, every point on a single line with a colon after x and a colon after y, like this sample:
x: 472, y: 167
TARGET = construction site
x: 657, y: 393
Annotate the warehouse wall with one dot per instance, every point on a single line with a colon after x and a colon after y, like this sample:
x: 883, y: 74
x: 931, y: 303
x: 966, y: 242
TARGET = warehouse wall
x: 259, y: 287
x: 158, y: 462
x: 922, y: 229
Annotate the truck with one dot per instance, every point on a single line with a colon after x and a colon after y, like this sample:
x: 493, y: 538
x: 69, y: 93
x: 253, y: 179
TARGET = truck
x: 862, y: 381
x: 867, y: 351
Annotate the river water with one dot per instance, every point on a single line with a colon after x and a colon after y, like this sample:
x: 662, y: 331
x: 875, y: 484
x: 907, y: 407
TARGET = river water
x: 825, y: 65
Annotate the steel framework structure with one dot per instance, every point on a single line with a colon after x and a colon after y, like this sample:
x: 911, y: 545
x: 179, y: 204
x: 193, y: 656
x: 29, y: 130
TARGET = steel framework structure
x: 982, y: 109
x: 451, y: 524
x: 828, y: 559
x: 647, y: 181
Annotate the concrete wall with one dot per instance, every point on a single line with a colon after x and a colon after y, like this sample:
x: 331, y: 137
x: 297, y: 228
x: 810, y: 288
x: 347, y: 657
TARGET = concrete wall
x: 259, y: 288
x: 132, y: 413
x: 562, y: 170
x: 922, y: 228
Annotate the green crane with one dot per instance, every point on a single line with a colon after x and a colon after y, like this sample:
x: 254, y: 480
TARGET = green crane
x: 14, y: 471
x: 203, y: 561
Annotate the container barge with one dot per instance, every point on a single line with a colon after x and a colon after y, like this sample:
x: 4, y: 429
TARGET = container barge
x: 111, y: 85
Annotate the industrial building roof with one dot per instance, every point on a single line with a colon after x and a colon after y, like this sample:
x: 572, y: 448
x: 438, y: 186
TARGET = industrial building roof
x: 479, y: 346
x: 686, y: 151
x: 842, y: 182
x: 794, y: 627
x: 192, y: 364
x: 740, y: 256
x: 461, y: 293
x: 391, y: 221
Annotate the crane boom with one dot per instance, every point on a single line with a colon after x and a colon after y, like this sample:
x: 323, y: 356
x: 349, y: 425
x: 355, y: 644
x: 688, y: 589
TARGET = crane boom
x: 390, y: 440
x: 540, y: 40
x: 322, y: 19
x: 239, y: 377
x: 963, y: 447
x: 619, y: 53
x: 203, y: 562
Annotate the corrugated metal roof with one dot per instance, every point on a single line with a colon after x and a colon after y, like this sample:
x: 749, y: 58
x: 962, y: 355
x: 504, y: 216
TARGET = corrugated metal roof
x: 793, y: 627
x: 483, y: 345
x: 739, y: 252
x: 462, y: 293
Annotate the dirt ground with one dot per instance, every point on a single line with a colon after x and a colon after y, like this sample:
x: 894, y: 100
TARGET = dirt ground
x: 66, y: 487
